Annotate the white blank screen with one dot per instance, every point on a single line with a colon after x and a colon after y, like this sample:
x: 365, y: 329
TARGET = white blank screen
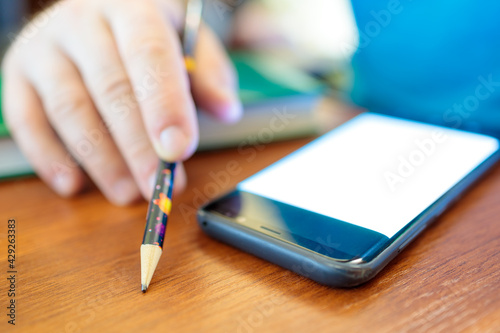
x: 376, y: 172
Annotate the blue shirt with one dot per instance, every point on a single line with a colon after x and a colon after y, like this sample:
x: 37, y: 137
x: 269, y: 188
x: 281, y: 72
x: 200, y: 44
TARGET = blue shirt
x: 436, y: 61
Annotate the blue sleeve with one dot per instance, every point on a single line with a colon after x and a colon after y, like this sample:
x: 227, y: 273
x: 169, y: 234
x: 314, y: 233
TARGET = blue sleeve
x: 437, y: 61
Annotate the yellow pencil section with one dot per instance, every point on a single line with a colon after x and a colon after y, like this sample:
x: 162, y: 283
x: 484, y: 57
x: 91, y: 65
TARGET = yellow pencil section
x: 190, y: 64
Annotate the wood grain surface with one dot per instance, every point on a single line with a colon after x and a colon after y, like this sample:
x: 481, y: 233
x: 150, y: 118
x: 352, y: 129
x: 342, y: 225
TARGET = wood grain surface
x: 79, y: 271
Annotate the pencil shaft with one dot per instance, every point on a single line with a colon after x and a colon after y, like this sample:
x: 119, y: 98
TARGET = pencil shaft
x: 161, y: 202
x: 194, y: 11
x: 160, y: 205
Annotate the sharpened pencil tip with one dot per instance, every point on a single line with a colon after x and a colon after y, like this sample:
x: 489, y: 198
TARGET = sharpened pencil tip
x: 150, y: 255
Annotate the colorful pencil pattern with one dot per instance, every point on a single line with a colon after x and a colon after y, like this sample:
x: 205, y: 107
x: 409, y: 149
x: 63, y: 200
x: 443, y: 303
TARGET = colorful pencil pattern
x: 160, y: 205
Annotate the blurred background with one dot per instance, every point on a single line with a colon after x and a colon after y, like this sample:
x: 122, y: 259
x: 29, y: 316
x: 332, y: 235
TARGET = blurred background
x: 12, y: 13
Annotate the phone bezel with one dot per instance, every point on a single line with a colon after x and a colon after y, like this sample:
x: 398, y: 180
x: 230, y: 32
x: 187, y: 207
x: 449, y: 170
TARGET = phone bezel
x: 293, y: 225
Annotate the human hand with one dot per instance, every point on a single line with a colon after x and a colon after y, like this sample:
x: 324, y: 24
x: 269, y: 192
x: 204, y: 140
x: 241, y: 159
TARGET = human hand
x: 100, y: 86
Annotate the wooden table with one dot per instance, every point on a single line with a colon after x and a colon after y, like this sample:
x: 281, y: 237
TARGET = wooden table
x: 78, y: 268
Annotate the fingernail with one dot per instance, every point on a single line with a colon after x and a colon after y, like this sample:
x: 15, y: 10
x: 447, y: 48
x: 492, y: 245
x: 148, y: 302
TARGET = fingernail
x: 173, y: 143
x: 125, y: 191
x: 233, y: 110
x: 236, y: 110
x: 62, y: 184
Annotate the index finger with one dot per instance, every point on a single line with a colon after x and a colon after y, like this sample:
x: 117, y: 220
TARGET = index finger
x: 152, y: 55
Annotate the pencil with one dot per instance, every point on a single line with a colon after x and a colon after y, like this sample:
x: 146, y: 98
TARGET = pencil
x: 156, y: 222
x: 161, y: 201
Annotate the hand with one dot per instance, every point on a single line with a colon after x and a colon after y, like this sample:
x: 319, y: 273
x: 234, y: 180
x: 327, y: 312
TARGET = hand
x: 100, y: 85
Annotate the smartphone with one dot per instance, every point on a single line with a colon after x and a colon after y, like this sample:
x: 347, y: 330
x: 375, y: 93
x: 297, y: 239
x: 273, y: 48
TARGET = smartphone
x: 341, y: 207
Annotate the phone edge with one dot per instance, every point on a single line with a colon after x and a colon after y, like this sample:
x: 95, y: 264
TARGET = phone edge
x: 325, y: 270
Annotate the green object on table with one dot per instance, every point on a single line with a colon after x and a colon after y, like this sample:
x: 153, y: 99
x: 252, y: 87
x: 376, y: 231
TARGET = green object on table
x: 263, y: 77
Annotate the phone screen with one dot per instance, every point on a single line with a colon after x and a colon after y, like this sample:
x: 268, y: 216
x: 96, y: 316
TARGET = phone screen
x: 375, y: 172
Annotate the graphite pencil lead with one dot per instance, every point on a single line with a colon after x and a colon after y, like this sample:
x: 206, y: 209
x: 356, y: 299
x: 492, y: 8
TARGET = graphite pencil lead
x: 144, y: 288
